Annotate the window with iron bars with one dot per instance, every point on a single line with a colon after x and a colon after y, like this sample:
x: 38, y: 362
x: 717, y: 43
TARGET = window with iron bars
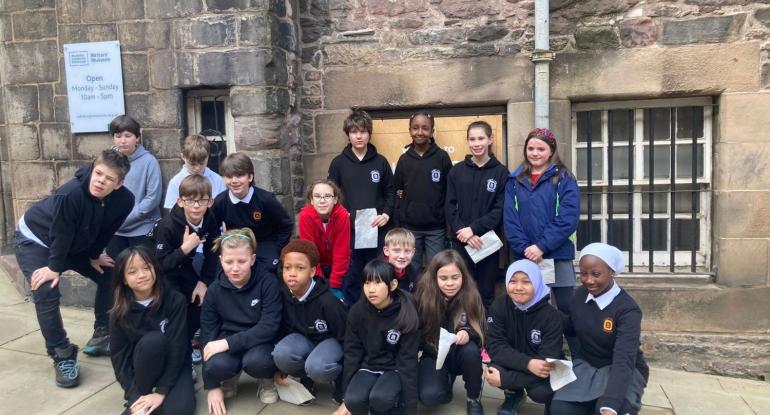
x: 644, y: 171
x: 208, y: 114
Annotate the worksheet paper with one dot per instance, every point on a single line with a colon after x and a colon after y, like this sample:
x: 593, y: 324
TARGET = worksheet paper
x: 294, y: 392
x: 445, y: 341
x: 548, y: 270
x: 490, y: 244
x: 561, y: 374
x: 366, y: 234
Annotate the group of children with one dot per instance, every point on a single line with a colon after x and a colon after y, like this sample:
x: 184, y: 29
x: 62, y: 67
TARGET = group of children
x: 221, y: 263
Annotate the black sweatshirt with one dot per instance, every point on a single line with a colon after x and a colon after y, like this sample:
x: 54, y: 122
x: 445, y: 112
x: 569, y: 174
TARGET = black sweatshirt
x: 168, y: 235
x: 609, y: 337
x: 321, y: 316
x: 245, y: 316
x: 451, y: 326
x: 372, y: 342
x: 72, y: 222
x: 420, y: 182
x: 515, y: 337
x: 171, y: 319
x: 475, y: 195
x: 264, y: 215
x: 365, y: 183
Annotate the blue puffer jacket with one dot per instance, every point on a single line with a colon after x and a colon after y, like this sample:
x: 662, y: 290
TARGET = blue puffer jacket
x: 530, y: 215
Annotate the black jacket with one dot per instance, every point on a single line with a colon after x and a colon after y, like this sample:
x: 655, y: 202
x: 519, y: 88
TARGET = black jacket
x: 515, y: 337
x: 72, y: 222
x: 321, y: 316
x: 177, y: 267
x: 171, y: 319
x: 475, y: 195
x: 420, y: 183
x: 245, y: 316
x: 372, y: 342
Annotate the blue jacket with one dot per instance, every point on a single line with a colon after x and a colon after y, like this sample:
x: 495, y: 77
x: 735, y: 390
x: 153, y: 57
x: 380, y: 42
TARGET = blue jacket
x: 529, y: 215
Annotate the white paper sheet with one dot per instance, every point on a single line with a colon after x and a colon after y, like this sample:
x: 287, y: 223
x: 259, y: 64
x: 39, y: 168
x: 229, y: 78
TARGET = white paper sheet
x: 294, y: 392
x: 445, y: 341
x: 548, y: 269
x: 491, y: 244
x: 562, y: 373
x: 366, y: 235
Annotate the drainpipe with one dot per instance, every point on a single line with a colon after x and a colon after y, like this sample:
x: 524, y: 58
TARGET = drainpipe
x: 542, y: 57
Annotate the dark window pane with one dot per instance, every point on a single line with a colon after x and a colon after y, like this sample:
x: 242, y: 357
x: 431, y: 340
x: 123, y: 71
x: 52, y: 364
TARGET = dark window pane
x: 684, y: 119
x: 661, y: 162
x: 686, y: 234
x: 684, y: 160
x: 659, y: 233
x: 620, y: 201
x: 659, y: 199
x: 596, y: 201
x: 661, y: 121
x: 683, y: 200
x: 595, y: 130
x: 620, y: 234
x: 213, y: 117
x: 619, y: 155
x: 597, y: 165
x: 622, y: 129
x: 583, y: 237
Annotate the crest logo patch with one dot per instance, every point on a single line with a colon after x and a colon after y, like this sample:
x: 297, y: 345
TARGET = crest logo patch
x: 608, y: 325
x: 535, y: 337
x: 257, y: 215
x: 491, y: 185
x: 375, y: 176
x: 320, y: 326
x: 393, y: 336
x: 435, y: 175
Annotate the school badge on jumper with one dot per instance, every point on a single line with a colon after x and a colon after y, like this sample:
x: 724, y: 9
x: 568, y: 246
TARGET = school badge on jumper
x: 257, y: 215
x: 393, y: 336
x: 320, y: 326
x: 491, y: 185
x: 435, y: 175
x: 463, y: 320
x: 535, y: 336
x: 608, y: 324
x: 375, y: 176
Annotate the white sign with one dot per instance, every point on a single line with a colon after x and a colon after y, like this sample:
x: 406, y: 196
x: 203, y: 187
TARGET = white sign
x: 94, y: 85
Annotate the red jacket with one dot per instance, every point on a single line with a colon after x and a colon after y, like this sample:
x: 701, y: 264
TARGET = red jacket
x: 333, y: 243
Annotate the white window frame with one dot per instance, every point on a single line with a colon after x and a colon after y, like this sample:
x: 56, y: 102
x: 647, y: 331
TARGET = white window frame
x: 195, y: 97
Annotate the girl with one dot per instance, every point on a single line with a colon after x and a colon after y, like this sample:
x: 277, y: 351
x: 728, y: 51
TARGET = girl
x: 524, y: 330
x: 420, y: 183
x: 148, y: 338
x: 240, y: 318
x: 381, y: 341
x: 447, y: 297
x: 541, y: 213
x: 611, y: 371
x: 474, y: 204
x: 326, y: 223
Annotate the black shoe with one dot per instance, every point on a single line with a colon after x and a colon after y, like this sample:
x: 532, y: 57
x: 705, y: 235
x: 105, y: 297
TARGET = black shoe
x: 512, y: 402
x: 99, y: 345
x: 474, y: 407
x: 338, y: 394
x: 65, y: 363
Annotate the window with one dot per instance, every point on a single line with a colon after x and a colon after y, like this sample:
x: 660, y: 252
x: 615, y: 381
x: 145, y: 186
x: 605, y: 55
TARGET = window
x: 644, y: 171
x: 208, y: 114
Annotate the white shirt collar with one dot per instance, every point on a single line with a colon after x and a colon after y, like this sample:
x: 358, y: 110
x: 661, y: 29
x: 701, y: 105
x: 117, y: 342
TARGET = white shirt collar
x: 197, y: 227
x: 309, y: 290
x: 246, y: 199
x: 605, y: 299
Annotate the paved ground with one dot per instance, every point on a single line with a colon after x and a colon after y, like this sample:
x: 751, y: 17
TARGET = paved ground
x: 27, y: 386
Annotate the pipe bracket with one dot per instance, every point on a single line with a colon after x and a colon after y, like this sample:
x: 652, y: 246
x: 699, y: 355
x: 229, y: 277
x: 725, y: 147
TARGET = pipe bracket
x: 540, y: 55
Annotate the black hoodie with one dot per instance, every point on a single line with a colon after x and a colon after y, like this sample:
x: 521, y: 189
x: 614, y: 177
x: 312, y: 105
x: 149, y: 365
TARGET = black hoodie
x: 321, y: 316
x: 451, y: 326
x: 475, y: 195
x: 515, y: 337
x: 72, y: 222
x: 420, y: 182
x: 168, y: 235
x: 171, y: 319
x: 245, y: 316
x: 372, y: 342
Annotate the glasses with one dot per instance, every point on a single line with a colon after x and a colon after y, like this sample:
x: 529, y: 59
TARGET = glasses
x: 196, y: 202
x: 323, y: 198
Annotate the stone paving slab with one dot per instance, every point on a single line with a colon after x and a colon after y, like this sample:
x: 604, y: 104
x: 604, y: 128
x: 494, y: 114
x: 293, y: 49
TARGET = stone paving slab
x: 695, y: 400
x: 760, y: 405
x: 654, y: 396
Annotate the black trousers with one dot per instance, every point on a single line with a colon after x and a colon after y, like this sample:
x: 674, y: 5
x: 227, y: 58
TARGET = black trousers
x: 257, y: 362
x: 351, y: 286
x: 486, y: 273
x: 585, y: 408
x: 373, y: 393
x: 435, y: 386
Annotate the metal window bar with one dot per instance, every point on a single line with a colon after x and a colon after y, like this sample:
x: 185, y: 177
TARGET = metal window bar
x: 589, y: 138
x: 672, y: 193
x: 610, y: 148
x: 694, y: 173
x: 648, y: 122
x: 631, y: 144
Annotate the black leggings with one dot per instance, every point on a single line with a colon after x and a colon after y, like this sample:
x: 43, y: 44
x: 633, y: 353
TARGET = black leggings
x: 372, y: 393
x: 585, y: 408
x: 435, y: 386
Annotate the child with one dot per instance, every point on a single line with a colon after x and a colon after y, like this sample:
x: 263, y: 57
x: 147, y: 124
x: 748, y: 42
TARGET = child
x: 474, y: 204
x: 245, y: 205
x: 313, y: 321
x: 381, y: 341
x: 447, y: 297
x: 186, y: 234
x: 240, y: 318
x: 69, y: 230
x: 195, y: 155
x: 611, y: 370
x: 326, y: 223
x: 148, y: 338
x: 524, y: 330
x: 420, y: 183
x: 398, y: 251
x: 366, y: 179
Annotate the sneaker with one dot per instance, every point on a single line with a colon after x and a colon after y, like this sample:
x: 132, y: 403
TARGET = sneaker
x: 338, y: 394
x: 267, y: 392
x: 65, y: 363
x: 512, y: 402
x: 99, y: 345
x: 474, y: 407
x: 230, y: 386
x: 197, y: 356
x: 485, y: 356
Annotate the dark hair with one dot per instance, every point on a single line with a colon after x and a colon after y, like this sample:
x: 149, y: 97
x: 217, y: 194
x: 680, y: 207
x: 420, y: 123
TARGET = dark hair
x: 302, y: 246
x: 359, y: 120
x: 237, y: 164
x: 336, y: 189
x: 425, y: 114
x: 432, y: 306
x: 547, y: 137
x: 378, y: 270
x: 484, y: 126
x: 125, y: 123
x: 122, y: 293
x: 195, y: 185
x: 116, y: 161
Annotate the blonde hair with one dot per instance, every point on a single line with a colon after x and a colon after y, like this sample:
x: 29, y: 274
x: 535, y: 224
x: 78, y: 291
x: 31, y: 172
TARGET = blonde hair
x: 234, y: 239
x: 399, y: 236
x: 195, y: 148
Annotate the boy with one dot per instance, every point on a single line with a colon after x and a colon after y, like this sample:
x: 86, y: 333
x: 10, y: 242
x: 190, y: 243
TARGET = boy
x: 195, y: 155
x: 365, y: 178
x: 245, y: 205
x: 398, y: 250
x: 69, y: 230
x: 183, y: 239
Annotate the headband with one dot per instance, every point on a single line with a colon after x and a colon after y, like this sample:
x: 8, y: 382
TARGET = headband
x: 232, y: 235
x: 545, y: 135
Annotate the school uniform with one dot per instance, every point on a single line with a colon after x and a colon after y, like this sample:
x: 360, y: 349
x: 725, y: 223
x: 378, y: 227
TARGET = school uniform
x: 365, y: 183
x: 313, y: 330
x: 380, y: 369
x: 407, y: 278
x: 475, y: 197
x: 65, y: 231
x: 150, y: 352
x: 248, y: 318
x: 420, y: 182
x: 260, y: 211
x: 172, y: 190
x: 332, y: 239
